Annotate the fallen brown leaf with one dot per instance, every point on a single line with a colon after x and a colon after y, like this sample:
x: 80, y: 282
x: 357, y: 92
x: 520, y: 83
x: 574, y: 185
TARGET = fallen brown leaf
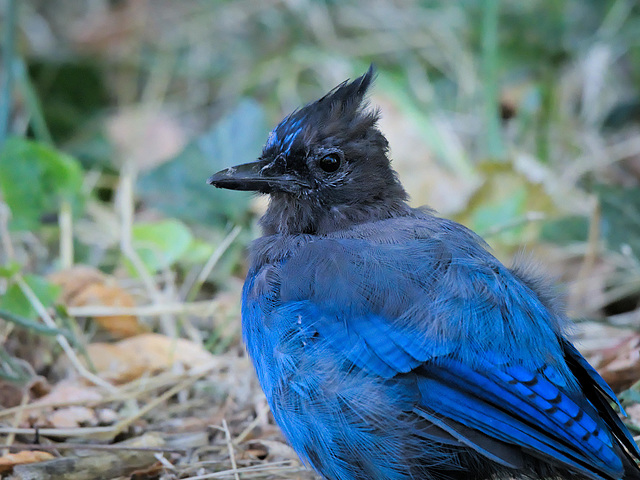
x: 271, y: 450
x: 115, y: 364
x: 150, y: 472
x: 7, y: 462
x: 72, y: 417
x: 163, y: 351
x: 62, y: 394
x: 70, y: 391
x: 620, y: 365
x: 83, y: 285
x: 107, y: 416
x: 111, y: 296
x: 633, y: 411
x: 147, y: 353
x: 150, y: 137
x: 10, y: 394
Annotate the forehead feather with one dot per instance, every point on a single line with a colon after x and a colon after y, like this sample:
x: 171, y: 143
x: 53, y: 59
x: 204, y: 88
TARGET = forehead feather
x: 284, y: 135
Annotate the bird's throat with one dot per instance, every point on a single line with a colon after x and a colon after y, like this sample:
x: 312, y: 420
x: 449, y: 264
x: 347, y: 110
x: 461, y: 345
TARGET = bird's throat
x: 288, y: 215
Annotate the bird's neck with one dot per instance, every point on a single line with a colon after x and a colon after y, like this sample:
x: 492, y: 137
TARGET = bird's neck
x: 289, y: 215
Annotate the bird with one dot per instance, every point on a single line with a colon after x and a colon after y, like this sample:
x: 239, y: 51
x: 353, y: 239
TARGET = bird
x: 390, y: 343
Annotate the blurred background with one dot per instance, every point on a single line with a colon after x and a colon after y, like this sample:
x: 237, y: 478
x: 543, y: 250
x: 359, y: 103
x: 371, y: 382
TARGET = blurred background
x: 120, y: 269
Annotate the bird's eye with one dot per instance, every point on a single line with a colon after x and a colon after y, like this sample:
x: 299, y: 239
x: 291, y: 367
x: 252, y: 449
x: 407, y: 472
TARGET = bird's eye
x: 330, y: 163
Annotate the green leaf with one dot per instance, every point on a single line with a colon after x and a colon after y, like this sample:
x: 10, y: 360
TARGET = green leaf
x: 16, y: 303
x: 565, y: 230
x: 620, y: 224
x: 30, y: 324
x: 12, y: 369
x: 178, y: 188
x: 499, y: 207
x: 199, y: 252
x: 35, y: 179
x: 501, y: 212
x: 160, y: 244
x: 9, y: 269
x: 619, y: 221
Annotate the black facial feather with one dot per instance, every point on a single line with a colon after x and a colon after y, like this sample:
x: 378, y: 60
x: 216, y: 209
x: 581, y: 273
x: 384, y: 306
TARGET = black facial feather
x: 334, y: 148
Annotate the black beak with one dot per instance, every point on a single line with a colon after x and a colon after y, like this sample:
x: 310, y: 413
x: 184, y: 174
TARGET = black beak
x: 262, y: 176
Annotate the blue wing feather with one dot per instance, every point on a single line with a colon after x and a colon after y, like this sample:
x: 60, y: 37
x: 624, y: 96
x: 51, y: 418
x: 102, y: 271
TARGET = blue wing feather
x: 426, y: 322
x: 484, y: 416
x: 599, y: 393
x: 534, y: 401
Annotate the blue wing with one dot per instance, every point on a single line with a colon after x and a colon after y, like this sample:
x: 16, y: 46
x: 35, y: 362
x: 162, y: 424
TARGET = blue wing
x: 484, y: 354
x: 535, y: 409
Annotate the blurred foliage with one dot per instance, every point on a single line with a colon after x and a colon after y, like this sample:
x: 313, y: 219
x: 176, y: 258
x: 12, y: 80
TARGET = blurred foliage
x: 178, y: 189
x: 35, y: 179
x: 553, y: 84
x: 75, y: 91
x: 619, y: 222
x: 566, y: 230
x: 161, y: 244
x: 621, y: 218
x: 15, y: 301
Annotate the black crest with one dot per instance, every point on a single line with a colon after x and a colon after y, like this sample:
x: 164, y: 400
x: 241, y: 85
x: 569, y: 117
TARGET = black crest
x: 340, y: 109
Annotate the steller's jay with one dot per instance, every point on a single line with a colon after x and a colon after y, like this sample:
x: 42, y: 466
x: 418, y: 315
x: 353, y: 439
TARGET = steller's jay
x: 389, y: 342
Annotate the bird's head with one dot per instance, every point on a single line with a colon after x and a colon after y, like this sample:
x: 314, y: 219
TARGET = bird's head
x: 325, y: 166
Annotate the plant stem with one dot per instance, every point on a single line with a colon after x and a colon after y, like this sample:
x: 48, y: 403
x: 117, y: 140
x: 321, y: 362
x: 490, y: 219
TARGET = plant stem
x: 8, y: 46
x: 493, y: 141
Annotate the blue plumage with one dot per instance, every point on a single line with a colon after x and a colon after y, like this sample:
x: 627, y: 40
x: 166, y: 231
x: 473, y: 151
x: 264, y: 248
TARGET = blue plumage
x: 389, y: 342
